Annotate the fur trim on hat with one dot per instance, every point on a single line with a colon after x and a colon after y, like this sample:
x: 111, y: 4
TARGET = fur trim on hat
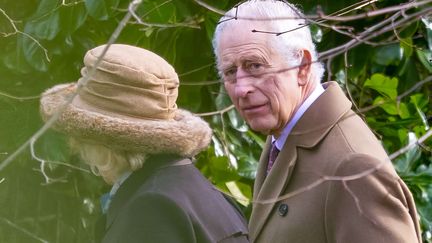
x: 185, y: 134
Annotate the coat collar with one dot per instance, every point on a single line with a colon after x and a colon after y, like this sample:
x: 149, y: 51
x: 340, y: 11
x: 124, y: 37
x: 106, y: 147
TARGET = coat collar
x: 315, y: 123
x: 136, y: 179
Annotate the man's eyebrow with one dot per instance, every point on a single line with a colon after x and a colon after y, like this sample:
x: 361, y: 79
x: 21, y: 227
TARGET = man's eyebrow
x: 226, y: 66
x: 254, y: 58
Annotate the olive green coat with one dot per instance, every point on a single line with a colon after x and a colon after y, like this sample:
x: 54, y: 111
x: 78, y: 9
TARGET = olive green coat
x: 340, y: 184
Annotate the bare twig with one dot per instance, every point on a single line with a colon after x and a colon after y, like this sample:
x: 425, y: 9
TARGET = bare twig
x: 346, y: 66
x: 219, y: 112
x: 321, y: 16
x: 22, y: 230
x: 190, y: 24
x: 224, y: 139
x: 16, y: 31
x: 353, y: 7
x: 392, y: 9
x: 210, y: 82
x: 411, y: 145
x: 373, y: 32
x: 196, y: 69
x: 356, y: 200
x: 211, y: 8
x: 44, y: 162
x: 424, y: 147
x: 71, y: 3
x: 329, y: 72
x: 319, y: 182
x: 349, y: 177
x: 19, y: 98
x: 155, y: 8
x: 414, y: 87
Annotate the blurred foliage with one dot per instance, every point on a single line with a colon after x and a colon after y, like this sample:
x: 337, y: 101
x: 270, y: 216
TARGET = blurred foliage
x: 43, y: 43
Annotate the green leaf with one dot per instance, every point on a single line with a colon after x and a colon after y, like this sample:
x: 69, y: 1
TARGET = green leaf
x: 419, y: 101
x: 383, y: 84
x: 392, y: 108
x: 222, y: 170
x: 409, y: 30
x: 340, y: 77
x: 404, y: 162
x: 407, y: 47
x: 358, y: 59
x: 386, y: 105
x: 256, y: 138
x: 34, y: 54
x: 72, y: 17
x: 44, y: 8
x: 210, y: 24
x: 247, y: 166
x: 317, y: 33
x: 403, y: 135
x: 403, y: 111
x: 427, y: 21
x: 15, y: 60
x: 425, y: 57
x: 222, y: 102
x: 388, y: 55
x: 240, y: 191
x: 101, y: 10
x: 159, y: 12
x: 46, y: 27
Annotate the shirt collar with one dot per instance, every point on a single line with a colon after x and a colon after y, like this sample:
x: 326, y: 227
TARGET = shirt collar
x: 119, y: 181
x: 302, y: 109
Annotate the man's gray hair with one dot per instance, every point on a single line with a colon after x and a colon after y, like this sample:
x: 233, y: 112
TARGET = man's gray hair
x: 280, y: 17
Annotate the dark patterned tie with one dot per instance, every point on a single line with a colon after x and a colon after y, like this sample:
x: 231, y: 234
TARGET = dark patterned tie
x: 274, y: 151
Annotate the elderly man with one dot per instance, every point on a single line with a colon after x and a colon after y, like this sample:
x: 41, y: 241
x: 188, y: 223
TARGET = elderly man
x: 331, y: 181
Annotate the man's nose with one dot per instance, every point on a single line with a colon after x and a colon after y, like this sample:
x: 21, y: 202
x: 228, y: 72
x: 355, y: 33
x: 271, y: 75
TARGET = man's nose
x: 243, y: 83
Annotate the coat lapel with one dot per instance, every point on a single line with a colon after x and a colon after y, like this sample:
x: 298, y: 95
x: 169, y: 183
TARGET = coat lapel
x: 272, y: 185
x: 315, y: 123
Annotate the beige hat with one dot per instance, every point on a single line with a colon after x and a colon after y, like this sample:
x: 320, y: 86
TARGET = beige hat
x: 129, y: 103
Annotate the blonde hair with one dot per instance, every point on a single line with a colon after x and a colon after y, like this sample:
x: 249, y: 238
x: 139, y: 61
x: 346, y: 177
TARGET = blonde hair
x: 104, y: 161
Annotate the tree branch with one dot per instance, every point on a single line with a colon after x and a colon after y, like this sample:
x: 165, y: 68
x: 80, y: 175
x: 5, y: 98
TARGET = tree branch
x: 219, y: 112
x: 22, y: 230
x: 16, y: 31
x: 19, y: 98
x: 211, y: 8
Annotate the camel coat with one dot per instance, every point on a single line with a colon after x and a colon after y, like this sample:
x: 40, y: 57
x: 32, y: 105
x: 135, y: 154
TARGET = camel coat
x: 370, y: 205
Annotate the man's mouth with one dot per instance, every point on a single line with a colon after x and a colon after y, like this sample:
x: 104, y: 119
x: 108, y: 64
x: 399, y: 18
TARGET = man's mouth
x: 254, y: 108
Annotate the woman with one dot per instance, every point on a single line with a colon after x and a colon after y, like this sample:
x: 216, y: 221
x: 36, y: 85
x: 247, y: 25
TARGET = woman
x: 125, y: 124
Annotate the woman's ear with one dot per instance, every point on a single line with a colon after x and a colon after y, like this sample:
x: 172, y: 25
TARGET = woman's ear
x: 304, y: 68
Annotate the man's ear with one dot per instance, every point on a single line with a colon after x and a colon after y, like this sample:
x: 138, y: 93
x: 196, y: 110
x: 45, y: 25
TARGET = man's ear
x: 304, y: 68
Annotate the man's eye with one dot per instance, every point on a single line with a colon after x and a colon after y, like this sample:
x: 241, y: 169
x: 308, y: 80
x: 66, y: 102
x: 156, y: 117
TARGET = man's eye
x: 254, y: 67
x: 230, y: 73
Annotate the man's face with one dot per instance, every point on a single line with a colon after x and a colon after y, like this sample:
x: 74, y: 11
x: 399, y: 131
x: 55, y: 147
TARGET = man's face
x: 262, y: 86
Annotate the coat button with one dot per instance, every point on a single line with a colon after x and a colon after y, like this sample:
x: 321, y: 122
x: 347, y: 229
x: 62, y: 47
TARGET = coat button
x: 283, y: 209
